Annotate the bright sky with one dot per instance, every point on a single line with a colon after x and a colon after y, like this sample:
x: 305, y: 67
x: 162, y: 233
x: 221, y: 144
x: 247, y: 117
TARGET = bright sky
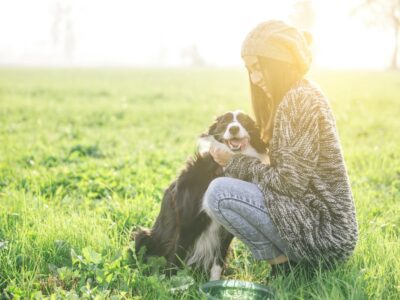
x: 154, y: 32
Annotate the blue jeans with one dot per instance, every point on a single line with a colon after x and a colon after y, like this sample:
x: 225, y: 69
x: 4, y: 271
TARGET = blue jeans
x: 239, y: 207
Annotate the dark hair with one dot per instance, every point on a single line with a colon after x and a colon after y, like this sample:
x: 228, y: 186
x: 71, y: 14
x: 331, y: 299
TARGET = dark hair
x: 279, y: 77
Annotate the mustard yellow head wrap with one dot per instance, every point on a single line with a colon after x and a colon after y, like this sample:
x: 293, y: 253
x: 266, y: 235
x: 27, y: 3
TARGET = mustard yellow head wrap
x: 278, y: 40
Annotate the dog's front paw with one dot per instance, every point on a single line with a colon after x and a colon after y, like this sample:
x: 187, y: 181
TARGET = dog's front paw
x: 203, y: 144
x: 215, y: 273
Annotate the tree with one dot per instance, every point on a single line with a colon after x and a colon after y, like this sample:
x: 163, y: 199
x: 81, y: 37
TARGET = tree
x: 62, y: 29
x: 385, y: 13
x: 191, y: 56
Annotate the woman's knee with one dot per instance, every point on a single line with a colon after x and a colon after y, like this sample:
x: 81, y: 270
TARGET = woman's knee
x: 214, y: 193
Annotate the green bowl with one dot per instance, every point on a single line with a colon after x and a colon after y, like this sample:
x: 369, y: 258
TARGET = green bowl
x: 235, y: 289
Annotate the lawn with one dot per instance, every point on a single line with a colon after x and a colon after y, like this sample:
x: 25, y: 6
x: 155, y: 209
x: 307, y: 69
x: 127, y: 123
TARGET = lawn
x: 85, y: 156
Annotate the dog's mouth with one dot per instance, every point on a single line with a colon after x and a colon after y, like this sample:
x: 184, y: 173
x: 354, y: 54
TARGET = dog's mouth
x: 237, y: 144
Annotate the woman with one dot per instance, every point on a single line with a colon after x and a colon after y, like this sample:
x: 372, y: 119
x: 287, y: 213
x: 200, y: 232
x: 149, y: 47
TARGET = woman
x: 300, y: 207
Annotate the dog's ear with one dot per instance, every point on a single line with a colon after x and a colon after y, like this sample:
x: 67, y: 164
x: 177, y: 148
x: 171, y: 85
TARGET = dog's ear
x: 213, y: 128
x: 257, y: 142
x: 255, y: 137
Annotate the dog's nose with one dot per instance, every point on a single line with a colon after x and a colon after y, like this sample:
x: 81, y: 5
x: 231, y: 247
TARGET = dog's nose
x: 234, y: 129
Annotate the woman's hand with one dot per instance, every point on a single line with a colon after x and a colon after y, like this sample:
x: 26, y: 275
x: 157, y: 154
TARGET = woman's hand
x: 221, y: 153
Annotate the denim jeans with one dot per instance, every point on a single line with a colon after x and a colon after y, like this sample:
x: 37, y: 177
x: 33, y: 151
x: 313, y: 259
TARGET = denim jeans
x: 239, y: 207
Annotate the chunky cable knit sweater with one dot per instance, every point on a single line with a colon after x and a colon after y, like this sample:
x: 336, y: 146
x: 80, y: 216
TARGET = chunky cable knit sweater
x: 306, y: 186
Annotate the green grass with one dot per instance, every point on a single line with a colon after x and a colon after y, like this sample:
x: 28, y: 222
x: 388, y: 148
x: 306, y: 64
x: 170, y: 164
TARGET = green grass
x: 85, y: 156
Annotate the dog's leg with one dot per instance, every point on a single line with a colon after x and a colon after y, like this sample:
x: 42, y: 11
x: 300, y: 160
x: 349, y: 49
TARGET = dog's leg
x: 219, y: 261
x: 216, y: 271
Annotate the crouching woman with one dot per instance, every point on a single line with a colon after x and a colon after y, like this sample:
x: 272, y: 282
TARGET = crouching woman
x: 300, y: 207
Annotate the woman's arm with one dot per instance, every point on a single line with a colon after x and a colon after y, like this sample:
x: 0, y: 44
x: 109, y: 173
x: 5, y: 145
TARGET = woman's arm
x: 296, y: 155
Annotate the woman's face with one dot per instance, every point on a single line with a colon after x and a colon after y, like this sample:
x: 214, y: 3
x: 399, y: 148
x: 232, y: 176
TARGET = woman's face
x: 256, y: 74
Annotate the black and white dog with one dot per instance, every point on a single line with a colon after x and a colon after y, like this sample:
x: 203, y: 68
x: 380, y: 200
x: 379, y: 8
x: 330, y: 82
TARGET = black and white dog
x: 183, y: 231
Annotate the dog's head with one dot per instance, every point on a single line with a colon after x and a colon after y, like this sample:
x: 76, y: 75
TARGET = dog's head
x: 239, y: 132
x: 143, y: 239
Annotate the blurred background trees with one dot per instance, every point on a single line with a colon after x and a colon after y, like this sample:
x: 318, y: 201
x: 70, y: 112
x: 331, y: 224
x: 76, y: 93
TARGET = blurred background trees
x: 384, y: 13
x: 62, y: 29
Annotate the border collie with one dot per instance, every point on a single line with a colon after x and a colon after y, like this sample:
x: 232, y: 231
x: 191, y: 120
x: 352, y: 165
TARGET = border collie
x: 183, y: 231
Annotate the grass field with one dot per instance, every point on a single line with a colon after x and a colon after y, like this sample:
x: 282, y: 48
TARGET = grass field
x: 86, y: 154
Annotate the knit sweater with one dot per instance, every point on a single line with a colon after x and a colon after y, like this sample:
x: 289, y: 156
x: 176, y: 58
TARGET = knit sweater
x: 306, y: 186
